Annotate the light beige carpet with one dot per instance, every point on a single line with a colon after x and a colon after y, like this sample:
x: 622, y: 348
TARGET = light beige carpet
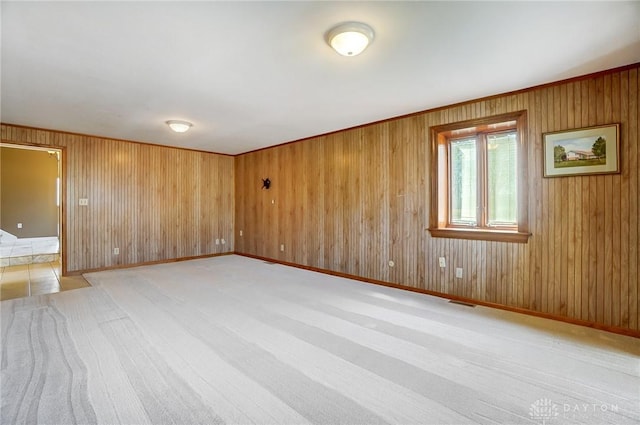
x: 239, y: 341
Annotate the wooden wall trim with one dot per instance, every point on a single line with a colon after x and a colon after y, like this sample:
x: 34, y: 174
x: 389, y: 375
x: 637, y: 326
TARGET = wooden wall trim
x: 458, y: 104
x: 70, y: 133
x: 439, y: 176
x: 63, y: 195
x: 465, y: 300
x: 397, y: 117
x: 147, y: 263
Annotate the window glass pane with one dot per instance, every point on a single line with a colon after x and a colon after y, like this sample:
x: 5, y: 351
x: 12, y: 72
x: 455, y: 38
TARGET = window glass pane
x: 463, y: 182
x: 502, y: 182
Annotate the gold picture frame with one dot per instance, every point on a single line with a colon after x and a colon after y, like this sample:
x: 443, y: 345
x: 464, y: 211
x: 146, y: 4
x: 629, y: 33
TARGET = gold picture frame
x: 583, y: 151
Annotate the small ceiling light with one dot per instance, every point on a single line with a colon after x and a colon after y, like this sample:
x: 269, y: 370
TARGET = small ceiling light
x: 179, y: 126
x: 350, y: 38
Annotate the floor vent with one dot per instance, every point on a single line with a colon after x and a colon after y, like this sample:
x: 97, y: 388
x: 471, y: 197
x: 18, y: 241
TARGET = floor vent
x: 462, y: 303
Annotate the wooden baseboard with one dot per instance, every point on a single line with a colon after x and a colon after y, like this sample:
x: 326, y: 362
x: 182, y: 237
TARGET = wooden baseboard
x: 146, y: 263
x: 594, y: 325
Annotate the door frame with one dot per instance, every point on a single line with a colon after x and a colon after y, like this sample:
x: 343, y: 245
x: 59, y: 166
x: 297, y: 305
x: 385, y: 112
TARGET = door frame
x: 63, y: 193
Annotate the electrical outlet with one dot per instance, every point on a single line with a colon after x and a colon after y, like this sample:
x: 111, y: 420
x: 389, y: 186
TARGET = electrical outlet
x: 281, y: 247
x: 217, y: 241
x: 83, y: 201
x: 116, y: 251
x: 19, y: 225
x: 442, y: 262
x: 459, y: 272
x: 240, y: 232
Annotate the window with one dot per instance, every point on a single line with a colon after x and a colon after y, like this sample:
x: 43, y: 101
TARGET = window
x: 479, y: 179
x: 483, y: 180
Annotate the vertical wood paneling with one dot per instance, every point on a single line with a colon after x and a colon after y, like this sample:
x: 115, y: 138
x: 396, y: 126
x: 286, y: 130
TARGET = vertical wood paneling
x: 351, y: 201
x: 359, y: 198
x: 633, y: 141
x: 154, y: 203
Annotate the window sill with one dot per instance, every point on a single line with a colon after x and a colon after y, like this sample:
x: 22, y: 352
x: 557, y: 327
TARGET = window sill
x: 481, y: 235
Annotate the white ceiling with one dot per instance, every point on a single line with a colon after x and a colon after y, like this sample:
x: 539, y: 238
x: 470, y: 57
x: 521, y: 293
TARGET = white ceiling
x: 255, y: 74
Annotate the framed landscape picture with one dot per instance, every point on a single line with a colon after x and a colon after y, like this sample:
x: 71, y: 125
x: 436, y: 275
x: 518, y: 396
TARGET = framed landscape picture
x: 584, y: 151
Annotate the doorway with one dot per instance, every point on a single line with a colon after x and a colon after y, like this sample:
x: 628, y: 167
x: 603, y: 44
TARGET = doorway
x: 31, y: 199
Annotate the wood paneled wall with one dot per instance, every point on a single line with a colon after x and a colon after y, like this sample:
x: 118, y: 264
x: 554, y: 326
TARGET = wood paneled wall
x: 154, y: 203
x: 352, y: 201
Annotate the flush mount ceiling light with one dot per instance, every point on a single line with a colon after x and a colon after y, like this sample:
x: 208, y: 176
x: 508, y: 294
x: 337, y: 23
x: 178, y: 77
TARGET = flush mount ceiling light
x: 350, y: 38
x: 179, y: 126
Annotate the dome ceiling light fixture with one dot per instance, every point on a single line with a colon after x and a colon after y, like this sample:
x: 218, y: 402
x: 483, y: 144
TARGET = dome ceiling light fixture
x: 350, y: 38
x: 179, y: 126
